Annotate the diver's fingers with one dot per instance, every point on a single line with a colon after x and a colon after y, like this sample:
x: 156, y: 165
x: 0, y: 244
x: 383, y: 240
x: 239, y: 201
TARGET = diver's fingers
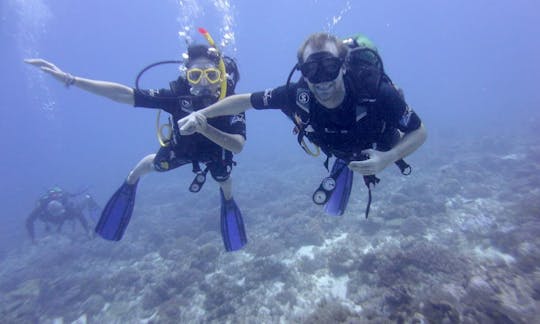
x: 41, y: 63
x: 200, y: 117
x: 188, y: 129
x: 52, y: 71
x: 192, y: 123
x: 187, y: 125
x: 362, y: 167
x: 35, y: 62
x: 183, y: 122
x: 368, y: 152
x: 356, y: 166
x: 201, y: 121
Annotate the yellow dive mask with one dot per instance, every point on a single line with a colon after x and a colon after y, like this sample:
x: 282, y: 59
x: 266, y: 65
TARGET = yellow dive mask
x: 212, y: 75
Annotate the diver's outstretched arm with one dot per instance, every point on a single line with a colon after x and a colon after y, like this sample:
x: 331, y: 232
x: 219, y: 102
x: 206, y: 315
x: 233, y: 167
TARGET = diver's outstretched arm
x: 114, y: 91
x: 232, y: 105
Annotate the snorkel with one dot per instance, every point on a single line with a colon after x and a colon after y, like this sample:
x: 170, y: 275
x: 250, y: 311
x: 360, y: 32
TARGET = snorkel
x: 221, y: 64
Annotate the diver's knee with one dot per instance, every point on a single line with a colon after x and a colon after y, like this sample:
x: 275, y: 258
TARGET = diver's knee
x: 144, y: 166
x: 149, y: 158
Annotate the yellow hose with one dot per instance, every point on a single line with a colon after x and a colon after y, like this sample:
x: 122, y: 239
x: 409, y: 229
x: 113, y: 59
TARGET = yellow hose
x: 159, y: 131
x: 309, y: 151
x: 221, y: 64
x: 222, y: 93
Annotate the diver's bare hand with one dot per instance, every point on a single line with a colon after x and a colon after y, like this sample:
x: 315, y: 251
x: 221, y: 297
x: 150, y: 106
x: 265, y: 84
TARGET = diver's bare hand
x: 376, y: 162
x: 202, y: 123
x: 53, y: 70
x: 193, y: 123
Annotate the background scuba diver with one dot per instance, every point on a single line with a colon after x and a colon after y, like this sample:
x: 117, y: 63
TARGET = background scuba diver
x: 58, y: 206
x: 213, y: 146
x: 345, y: 105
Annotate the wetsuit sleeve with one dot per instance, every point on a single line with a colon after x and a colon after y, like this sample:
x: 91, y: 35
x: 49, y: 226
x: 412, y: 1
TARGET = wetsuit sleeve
x: 274, y: 98
x: 156, y: 99
x: 395, y: 111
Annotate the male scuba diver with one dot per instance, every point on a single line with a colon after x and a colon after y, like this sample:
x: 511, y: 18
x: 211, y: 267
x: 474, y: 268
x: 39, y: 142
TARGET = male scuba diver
x: 209, y: 76
x: 58, y: 206
x: 345, y: 105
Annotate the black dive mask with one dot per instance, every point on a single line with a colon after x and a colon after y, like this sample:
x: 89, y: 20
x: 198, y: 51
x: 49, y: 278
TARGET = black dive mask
x: 321, y: 67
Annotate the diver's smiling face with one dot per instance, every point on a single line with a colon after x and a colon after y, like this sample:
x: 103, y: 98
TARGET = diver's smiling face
x: 329, y: 93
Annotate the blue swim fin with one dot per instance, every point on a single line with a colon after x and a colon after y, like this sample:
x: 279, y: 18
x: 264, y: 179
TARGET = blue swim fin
x: 232, y: 225
x: 339, y: 199
x: 117, y: 213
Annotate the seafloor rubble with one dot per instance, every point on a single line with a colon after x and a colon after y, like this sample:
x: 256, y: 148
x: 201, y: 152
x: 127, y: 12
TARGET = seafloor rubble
x: 456, y: 242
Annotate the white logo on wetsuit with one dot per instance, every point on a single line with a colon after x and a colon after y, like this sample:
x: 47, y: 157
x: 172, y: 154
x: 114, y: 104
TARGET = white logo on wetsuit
x: 267, y: 96
x: 404, y: 121
x: 238, y: 119
x: 185, y: 103
x: 153, y: 92
x: 303, y: 97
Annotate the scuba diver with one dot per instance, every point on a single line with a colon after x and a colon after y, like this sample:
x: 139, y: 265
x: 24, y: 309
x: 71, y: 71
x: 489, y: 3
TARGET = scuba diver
x: 209, y: 77
x: 344, y: 104
x: 58, y: 206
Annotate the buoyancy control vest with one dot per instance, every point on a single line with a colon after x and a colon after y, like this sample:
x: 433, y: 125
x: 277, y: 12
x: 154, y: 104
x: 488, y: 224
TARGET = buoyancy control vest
x: 355, y: 126
x: 181, y: 91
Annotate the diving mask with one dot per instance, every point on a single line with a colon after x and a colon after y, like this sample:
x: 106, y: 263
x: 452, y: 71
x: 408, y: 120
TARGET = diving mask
x: 321, y: 67
x: 195, y: 75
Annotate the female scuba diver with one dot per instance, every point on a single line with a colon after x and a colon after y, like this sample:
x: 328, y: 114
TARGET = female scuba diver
x: 209, y: 77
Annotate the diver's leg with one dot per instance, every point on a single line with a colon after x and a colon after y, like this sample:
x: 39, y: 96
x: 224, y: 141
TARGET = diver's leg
x: 232, y: 224
x: 117, y: 213
x: 220, y: 170
x: 146, y: 165
x: 118, y: 210
x: 226, y: 187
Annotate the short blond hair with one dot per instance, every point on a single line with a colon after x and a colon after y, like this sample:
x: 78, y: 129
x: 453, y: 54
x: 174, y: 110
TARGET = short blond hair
x: 317, y: 41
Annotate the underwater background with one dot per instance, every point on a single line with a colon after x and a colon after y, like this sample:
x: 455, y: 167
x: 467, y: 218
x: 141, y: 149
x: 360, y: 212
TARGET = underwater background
x: 456, y: 241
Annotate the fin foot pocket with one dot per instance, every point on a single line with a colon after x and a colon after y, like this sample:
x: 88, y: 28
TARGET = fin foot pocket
x: 117, y: 213
x: 232, y: 225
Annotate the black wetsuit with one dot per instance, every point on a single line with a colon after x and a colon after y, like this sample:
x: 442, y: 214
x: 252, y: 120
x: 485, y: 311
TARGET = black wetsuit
x: 193, y: 148
x: 350, y: 128
x: 73, y: 211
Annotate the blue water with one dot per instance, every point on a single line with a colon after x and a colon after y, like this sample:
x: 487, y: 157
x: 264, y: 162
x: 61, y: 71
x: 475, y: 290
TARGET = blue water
x: 470, y: 69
